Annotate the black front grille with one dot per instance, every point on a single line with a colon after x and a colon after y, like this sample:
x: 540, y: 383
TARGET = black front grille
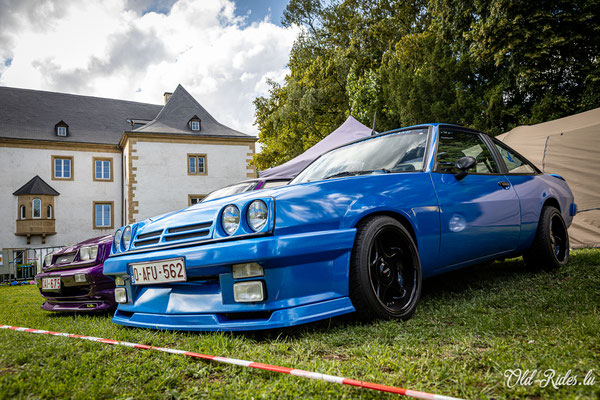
x: 189, y: 227
x: 65, y: 258
x: 146, y: 239
x: 146, y: 242
x: 190, y: 235
x: 170, y: 235
x: 149, y: 234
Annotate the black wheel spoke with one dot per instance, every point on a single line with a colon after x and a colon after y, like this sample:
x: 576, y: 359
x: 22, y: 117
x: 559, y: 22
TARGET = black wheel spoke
x: 392, y: 271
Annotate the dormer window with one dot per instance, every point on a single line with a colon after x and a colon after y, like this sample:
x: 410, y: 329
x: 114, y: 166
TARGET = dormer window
x: 61, y: 129
x: 194, y: 124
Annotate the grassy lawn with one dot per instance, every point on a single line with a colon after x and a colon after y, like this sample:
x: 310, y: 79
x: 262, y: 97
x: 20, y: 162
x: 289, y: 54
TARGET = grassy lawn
x: 469, y: 328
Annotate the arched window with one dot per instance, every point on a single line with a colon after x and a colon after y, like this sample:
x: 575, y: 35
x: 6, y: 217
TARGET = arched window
x: 49, y: 212
x: 36, y: 208
x: 22, y: 214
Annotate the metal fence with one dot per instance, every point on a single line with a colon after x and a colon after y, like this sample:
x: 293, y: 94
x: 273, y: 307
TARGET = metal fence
x: 23, y: 264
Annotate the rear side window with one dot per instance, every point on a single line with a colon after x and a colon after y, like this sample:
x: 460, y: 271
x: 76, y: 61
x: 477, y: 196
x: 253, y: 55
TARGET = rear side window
x: 514, y: 163
x: 453, y: 145
x: 274, y: 184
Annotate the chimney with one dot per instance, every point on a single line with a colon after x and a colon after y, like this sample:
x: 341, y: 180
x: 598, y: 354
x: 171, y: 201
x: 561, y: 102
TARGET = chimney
x: 167, y: 96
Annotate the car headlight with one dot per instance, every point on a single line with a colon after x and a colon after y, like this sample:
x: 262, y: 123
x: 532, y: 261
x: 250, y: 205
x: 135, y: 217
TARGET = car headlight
x: 84, y: 253
x: 257, y: 215
x: 88, y: 253
x: 117, y: 239
x: 47, y: 260
x: 230, y: 219
x: 93, y: 252
x: 126, y: 237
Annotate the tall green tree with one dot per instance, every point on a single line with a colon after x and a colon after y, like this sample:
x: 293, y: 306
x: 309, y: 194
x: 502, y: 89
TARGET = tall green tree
x: 487, y: 64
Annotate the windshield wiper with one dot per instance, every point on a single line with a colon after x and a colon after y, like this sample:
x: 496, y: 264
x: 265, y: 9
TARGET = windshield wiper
x: 359, y: 172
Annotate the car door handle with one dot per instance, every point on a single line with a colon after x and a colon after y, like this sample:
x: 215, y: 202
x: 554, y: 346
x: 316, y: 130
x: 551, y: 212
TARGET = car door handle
x: 504, y: 184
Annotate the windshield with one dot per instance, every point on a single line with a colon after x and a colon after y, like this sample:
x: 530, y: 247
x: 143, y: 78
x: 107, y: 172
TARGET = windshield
x: 396, y: 152
x: 229, y: 190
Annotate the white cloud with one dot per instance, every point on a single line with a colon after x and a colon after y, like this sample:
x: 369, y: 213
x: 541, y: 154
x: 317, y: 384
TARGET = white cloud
x: 111, y: 48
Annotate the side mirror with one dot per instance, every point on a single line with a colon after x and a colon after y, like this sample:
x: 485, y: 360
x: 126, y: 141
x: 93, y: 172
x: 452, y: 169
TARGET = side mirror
x: 464, y: 164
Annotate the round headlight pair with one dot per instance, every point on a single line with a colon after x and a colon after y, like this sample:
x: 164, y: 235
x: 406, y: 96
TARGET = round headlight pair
x: 256, y: 215
x: 122, y: 236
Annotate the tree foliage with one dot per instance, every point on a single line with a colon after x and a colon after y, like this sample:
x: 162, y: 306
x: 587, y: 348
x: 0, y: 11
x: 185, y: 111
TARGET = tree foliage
x: 487, y: 64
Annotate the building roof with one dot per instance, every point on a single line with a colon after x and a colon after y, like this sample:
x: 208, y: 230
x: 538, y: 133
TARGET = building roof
x: 36, y: 186
x: 178, y: 111
x: 32, y: 114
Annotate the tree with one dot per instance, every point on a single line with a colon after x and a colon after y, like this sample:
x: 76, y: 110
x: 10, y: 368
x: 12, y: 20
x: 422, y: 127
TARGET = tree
x: 486, y: 64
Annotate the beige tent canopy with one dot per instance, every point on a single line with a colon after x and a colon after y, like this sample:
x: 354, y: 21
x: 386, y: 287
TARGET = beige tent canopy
x: 569, y: 147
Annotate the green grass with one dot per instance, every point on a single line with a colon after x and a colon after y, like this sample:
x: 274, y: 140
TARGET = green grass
x: 469, y: 328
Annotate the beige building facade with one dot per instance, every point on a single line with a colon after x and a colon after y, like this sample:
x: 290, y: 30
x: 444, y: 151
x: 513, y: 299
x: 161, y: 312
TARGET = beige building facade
x: 85, y: 166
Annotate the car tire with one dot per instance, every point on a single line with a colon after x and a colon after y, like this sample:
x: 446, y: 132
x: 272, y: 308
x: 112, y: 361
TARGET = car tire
x: 550, y: 248
x: 385, y: 270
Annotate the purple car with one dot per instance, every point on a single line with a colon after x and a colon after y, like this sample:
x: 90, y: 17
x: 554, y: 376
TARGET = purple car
x: 72, y: 279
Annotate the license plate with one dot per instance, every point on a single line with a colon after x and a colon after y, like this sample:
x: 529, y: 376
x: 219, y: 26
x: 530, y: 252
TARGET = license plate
x: 161, y: 271
x: 51, y: 283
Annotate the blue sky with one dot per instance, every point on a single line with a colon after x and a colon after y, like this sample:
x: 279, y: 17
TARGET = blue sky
x: 261, y: 8
x: 255, y: 10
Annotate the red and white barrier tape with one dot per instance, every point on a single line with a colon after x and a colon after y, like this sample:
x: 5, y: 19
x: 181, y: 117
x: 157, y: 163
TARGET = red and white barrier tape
x: 285, y: 370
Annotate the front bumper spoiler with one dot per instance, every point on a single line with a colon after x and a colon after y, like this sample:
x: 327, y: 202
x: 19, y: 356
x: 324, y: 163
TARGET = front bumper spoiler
x: 218, y: 322
x: 305, y: 278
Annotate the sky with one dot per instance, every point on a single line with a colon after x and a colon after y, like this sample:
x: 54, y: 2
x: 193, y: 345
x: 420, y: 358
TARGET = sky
x: 221, y: 51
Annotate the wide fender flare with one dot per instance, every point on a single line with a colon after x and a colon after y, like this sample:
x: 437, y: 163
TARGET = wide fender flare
x: 378, y: 204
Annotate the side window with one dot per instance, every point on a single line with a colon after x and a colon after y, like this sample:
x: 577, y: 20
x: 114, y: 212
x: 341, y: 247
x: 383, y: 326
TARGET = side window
x: 36, y: 207
x: 514, y: 163
x: 453, y: 145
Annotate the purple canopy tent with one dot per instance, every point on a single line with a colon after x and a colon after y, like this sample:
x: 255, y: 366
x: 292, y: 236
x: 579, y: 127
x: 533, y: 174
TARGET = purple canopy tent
x: 350, y: 130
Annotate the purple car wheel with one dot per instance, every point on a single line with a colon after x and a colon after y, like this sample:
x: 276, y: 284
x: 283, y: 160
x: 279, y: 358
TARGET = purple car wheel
x: 385, y: 274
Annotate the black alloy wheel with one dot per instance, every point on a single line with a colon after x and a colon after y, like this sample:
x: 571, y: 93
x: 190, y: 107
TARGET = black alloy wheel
x: 385, y: 274
x: 550, y: 247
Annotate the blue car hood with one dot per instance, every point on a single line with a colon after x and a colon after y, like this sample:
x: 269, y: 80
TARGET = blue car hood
x: 305, y: 207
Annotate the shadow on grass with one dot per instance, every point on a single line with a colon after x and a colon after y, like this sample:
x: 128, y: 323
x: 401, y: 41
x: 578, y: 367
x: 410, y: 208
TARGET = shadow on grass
x: 449, y: 284
x: 82, y: 314
x: 457, y: 283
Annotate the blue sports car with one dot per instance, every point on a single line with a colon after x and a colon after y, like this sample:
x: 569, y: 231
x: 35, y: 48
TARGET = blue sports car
x: 356, y: 231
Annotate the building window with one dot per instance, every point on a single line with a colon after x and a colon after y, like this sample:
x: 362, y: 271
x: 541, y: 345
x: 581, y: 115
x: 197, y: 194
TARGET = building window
x: 195, y: 198
x: 103, y: 215
x: 103, y: 169
x: 61, y: 129
x: 22, y: 212
x: 194, y: 123
x: 36, y: 208
x: 62, y: 168
x: 196, y: 164
x: 49, y: 212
